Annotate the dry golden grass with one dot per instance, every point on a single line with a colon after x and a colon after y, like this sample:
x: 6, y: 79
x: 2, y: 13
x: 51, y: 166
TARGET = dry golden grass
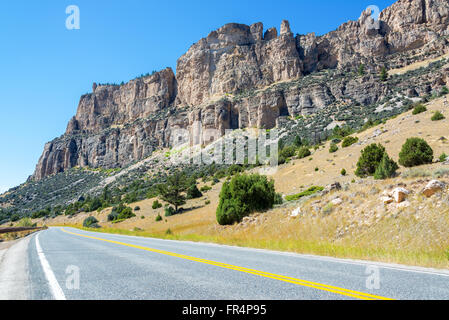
x: 10, y: 236
x: 362, y: 227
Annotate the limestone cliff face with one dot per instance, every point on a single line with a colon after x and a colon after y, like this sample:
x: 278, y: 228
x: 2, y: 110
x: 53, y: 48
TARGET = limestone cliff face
x: 117, y: 105
x: 225, y: 82
x: 235, y: 58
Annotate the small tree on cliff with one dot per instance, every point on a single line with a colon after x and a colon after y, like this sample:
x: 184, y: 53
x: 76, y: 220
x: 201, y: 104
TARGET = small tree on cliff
x: 383, y: 74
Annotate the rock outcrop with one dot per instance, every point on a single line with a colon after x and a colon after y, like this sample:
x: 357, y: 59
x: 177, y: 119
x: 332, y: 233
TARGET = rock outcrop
x: 433, y: 187
x: 234, y: 78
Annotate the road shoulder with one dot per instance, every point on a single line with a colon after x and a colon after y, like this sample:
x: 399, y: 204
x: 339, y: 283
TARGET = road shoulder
x: 14, y: 280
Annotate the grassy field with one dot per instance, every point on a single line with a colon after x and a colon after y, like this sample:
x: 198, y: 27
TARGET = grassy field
x: 362, y: 227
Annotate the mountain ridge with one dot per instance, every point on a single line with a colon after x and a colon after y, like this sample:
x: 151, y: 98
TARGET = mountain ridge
x: 219, y: 80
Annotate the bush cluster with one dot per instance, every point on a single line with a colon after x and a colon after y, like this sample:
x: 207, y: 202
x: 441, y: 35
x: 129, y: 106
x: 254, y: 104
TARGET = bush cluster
x: 333, y: 148
x: 243, y: 195
x: 369, y: 160
x: 437, y: 116
x: 349, y: 141
x: 419, y: 108
x: 121, y: 212
x: 415, y: 152
x: 90, y: 222
x: 156, y: 205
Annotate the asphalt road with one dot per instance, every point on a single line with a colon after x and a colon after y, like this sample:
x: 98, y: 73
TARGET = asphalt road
x: 66, y: 263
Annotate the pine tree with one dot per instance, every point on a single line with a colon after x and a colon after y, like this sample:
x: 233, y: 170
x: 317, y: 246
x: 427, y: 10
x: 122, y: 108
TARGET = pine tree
x: 171, y: 191
x: 386, y: 169
x: 383, y: 74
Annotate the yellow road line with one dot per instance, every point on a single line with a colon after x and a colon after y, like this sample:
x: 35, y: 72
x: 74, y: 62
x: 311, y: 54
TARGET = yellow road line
x: 305, y: 283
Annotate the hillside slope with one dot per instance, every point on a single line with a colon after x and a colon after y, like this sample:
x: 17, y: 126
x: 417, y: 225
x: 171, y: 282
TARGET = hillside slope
x: 362, y: 226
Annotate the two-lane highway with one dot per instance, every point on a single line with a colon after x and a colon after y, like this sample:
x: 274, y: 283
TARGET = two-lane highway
x: 66, y: 263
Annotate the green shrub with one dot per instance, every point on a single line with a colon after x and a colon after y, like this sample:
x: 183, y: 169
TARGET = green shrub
x: 317, y: 169
x: 341, y: 132
x: 158, y: 218
x: 90, y: 222
x: 386, y: 169
x: 205, y: 188
x: 308, y: 192
x: 333, y: 148
x: 278, y: 199
x: 343, y: 172
x: 120, y: 212
x: 443, y: 157
x: 207, y: 202
x: 40, y: 214
x: 415, y: 152
x: 126, y: 213
x: 437, y: 116
x: 369, y: 160
x: 303, y: 152
x: 349, y: 141
x: 26, y: 223
x: 419, y: 108
x: 193, y: 192
x: 112, y: 216
x: 169, y: 211
x: 156, y: 205
x: 137, y: 208
x: 287, y: 152
x: 243, y: 195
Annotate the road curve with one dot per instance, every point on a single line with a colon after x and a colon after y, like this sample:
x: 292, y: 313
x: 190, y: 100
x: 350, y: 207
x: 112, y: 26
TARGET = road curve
x: 67, y: 263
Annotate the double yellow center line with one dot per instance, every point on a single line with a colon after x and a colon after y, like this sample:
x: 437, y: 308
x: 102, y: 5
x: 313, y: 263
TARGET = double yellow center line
x: 304, y: 283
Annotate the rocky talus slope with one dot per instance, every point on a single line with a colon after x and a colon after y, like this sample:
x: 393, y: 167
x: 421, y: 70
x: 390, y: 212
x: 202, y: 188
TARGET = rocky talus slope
x: 241, y: 76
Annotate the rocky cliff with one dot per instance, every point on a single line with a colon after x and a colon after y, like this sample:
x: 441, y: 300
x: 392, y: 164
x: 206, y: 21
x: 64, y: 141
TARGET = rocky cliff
x: 233, y: 79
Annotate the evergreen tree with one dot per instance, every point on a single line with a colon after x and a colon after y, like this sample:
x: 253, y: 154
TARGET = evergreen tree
x: 171, y: 191
x: 386, y: 169
x: 383, y: 74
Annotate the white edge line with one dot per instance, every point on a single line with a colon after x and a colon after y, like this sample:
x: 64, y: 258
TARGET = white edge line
x: 384, y: 265
x: 56, y: 290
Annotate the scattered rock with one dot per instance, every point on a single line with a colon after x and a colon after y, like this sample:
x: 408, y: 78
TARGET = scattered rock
x: 337, y: 201
x: 387, y: 200
x: 332, y: 187
x: 433, y: 187
x: 296, y: 212
x: 399, y: 194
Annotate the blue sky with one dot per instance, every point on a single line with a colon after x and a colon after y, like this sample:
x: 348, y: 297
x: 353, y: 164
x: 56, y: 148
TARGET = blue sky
x: 45, y: 68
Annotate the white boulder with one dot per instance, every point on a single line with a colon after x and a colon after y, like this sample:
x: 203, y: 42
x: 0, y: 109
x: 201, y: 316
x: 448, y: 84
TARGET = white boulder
x: 433, y: 187
x: 399, y: 194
